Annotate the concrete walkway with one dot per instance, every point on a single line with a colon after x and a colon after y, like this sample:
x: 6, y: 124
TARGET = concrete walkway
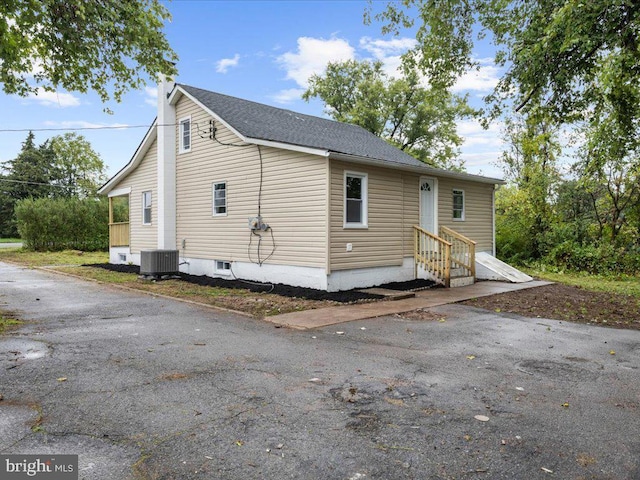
x: 322, y: 317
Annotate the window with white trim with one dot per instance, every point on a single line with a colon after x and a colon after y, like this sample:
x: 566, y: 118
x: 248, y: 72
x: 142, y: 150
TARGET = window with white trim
x: 185, y: 134
x: 219, y: 198
x: 146, y: 208
x: 355, y: 200
x: 223, y: 267
x: 458, y: 204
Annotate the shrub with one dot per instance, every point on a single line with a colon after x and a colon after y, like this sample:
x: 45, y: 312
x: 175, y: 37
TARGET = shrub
x: 604, y: 258
x: 63, y: 223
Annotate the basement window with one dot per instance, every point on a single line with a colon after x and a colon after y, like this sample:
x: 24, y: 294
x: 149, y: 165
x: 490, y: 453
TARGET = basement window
x: 223, y: 267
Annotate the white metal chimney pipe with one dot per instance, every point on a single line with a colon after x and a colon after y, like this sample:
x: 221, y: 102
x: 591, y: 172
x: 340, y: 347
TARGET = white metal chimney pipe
x: 166, y: 145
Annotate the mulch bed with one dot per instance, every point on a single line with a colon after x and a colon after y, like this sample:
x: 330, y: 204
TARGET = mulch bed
x: 348, y: 296
x: 564, y: 302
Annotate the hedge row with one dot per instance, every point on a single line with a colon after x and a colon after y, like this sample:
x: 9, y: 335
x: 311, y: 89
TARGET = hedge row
x: 47, y: 224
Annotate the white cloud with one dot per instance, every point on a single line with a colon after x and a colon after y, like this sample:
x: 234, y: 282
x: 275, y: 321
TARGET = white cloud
x: 389, y: 52
x: 223, y: 65
x: 481, y: 149
x: 382, y: 49
x: 475, y: 135
x: 483, y: 163
x: 288, y: 96
x: 482, y: 79
x: 71, y: 124
x: 54, y: 99
x: 312, y: 57
x: 151, y: 96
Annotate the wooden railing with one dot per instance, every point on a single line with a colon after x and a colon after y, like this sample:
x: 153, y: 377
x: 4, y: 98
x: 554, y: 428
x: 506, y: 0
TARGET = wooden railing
x: 433, y: 254
x: 438, y: 255
x: 463, y: 251
x: 119, y: 234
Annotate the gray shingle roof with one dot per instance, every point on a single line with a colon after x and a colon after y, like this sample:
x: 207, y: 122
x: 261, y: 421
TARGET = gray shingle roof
x: 259, y: 121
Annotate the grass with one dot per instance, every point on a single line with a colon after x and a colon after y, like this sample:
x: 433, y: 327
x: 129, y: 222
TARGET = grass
x: 7, y: 323
x: 41, y: 259
x: 70, y: 262
x: 10, y: 240
x: 622, y: 284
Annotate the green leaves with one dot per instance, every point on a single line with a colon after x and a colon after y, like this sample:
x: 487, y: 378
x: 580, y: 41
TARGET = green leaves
x: 553, y: 50
x: 109, y: 46
x: 415, y: 118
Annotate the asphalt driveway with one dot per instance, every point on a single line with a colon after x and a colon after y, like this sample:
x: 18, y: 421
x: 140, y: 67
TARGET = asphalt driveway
x: 150, y: 388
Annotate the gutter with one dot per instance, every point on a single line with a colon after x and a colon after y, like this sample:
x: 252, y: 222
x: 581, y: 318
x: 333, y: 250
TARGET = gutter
x: 424, y: 170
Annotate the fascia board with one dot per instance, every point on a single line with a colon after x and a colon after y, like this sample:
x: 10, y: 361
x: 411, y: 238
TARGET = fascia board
x: 178, y: 92
x: 426, y: 170
x: 142, y: 149
x: 288, y: 146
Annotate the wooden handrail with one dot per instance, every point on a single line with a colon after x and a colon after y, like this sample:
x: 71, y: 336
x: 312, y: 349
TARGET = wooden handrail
x: 438, y: 254
x: 432, y: 235
x: 433, y: 254
x: 463, y: 250
x: 457, y: 235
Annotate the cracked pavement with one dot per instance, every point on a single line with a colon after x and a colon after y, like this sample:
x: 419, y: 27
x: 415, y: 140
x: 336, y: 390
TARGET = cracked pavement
x: 142, y: 387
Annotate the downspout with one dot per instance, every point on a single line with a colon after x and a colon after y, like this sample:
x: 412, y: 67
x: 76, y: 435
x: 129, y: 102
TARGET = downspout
x: 328, y: 219
x: 493, y: 218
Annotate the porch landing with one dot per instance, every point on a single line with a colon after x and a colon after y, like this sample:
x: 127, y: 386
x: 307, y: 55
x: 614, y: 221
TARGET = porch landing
x: 322, y: 317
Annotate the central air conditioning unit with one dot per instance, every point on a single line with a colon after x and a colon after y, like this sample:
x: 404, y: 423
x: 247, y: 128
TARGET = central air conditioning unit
x: 157, y: 263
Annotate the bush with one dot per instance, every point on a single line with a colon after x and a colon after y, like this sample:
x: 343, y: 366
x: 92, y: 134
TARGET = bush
x: 603, y: 259
x: 63, y: 224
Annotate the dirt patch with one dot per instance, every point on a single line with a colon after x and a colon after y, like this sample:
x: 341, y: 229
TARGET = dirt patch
x: 568, y: 303
x: 421, y: 314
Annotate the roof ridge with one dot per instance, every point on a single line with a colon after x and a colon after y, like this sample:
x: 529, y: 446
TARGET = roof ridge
x: 287, y: 110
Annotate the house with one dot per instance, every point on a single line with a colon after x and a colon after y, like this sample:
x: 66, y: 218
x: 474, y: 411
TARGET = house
x: 249, y: 191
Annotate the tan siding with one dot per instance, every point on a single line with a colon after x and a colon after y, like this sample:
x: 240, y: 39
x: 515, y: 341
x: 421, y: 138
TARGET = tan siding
x: 142, y: 179
x: 381, y: 243
x: 394, y: 207
x: 293, y: 198
x: 478, y: 222
x: 411, y: 213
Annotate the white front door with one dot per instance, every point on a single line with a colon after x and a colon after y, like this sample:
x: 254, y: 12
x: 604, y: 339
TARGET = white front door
x: 428, y: 202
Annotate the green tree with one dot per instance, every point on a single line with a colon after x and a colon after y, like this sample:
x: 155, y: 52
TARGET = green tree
x: 106, y: 46
x: 530, y: 163
x: 28, y: 175
x: 63, y: 166
x: 79, y: 170
x: 552, y: 50
x: 609, y: 170
x: 419, y: 120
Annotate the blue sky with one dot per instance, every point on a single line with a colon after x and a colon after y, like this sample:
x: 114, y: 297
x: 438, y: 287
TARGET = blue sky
x: 258, y: 50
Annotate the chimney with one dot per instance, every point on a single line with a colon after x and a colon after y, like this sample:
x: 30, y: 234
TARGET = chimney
x: 166, y: 145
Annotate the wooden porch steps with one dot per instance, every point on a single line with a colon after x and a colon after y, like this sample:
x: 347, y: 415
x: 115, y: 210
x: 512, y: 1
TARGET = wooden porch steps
x: 461, y: 281
x: 449, y: 257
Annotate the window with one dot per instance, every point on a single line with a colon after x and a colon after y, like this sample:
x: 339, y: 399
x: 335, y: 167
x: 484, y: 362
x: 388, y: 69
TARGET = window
x: 223, y: 267
x: 146, y: 208
x: 355, y: 200
x: 220, y: 198
x: 458, y: 204
x: 185, y: 135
